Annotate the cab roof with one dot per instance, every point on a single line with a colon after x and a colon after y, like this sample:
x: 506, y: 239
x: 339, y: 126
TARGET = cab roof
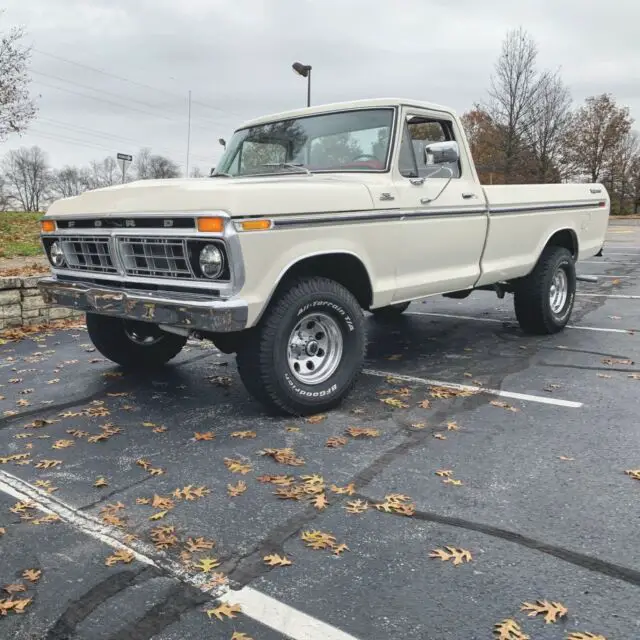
x: 342, y: 106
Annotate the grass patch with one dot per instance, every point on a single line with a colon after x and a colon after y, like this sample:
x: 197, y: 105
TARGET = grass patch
x: 19, y: 234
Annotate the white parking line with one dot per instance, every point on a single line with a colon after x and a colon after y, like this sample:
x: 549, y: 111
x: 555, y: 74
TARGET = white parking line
x: 256, y: 605
x: 606, y: 262
x: 496, y: 320
x: 465, y: 387
x: 601, y: 275
x: 608, y: 295
x: 283, y: 618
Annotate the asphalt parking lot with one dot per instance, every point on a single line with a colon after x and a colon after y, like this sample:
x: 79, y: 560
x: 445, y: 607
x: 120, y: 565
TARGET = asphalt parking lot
x: 523, y: 467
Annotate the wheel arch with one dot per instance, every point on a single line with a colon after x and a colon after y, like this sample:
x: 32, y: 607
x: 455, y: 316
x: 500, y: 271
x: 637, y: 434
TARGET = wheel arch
x: 345, y: 267
x: 566, y: 238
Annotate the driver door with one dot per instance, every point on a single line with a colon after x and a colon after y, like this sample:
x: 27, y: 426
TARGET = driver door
x: 442, y: 236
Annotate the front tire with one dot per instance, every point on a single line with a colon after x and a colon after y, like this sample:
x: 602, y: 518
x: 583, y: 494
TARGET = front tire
x: 544, y: 299
x: 308, y: 350
x: 133, y: 344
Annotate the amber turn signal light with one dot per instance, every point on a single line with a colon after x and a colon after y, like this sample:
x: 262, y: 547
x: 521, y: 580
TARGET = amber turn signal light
x: 255, y: 225
x: 211, y: 225
x: 47, y: 226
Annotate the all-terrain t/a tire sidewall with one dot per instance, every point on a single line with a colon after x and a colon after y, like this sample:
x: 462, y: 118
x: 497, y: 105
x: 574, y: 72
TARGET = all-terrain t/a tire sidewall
x: 316, y: 295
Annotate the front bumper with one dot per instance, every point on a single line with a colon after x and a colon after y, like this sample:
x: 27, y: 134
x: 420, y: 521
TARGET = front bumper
x: 189, y: 311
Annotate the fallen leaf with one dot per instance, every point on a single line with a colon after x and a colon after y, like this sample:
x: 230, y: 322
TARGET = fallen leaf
x: 584, y: 635
x: 143, y: 501
x: 201, y: 492
x: 32, y: 575
x: 292, y: 429
x: 444, y: 473
x: 453, y: 554
x: 452, y: 426
x: 62, y: 444
x: 419, y: 425
x: 14, y: 588
x: 76, y: 433
x: 552, y: 611
x: 320, y: 502
x: 17, y: 606
x: 445, y: 393
x: 316, y: 419
x: 235, y: 490
x: 284, y: 456
x: 224, y: 610
x: 145, y: 464
x: 48, y: 464
x: 162, y: 502
x: 634, y: 376
x: 395, y: 403
x: 155, y: 471
x: 336, y: 442
x: 207, y: 435
x: 274, y: 560
x: 367, y: 432
x: 54, y: 381
x: 455, y: 483
x: 221, y: 381
x: 159, y: 429
x: 207, y: 564
x: 605, y: 375
x: 349, y: 490
x: 199, y: 544
x: 439, y: 436
x: 240, y: 636
x: 237, y: 466
x: 356, y: 506
x: 100, y: 482
x: 244, y: 435
x: 339, y: 549
x: 318, y: 539
x: 159, y: 515
x: 281, y: 480
x: 566, y: 458
x: 633, y: 473
x: 164, y: 537
x: 611, y: 361
x: 509, y: 630
x: 121, y: 555
x: 503, y: 405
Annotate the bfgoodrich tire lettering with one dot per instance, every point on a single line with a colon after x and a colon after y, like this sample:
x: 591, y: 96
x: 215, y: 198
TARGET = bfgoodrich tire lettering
x: 264, y: 363
x: 534, y: 294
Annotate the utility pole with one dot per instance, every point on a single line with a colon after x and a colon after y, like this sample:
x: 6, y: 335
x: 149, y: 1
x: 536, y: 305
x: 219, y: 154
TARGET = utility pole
x: 188, y: 135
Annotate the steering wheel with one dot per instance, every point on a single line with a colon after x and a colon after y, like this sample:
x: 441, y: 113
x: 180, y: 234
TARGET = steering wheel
x: 364, y: 157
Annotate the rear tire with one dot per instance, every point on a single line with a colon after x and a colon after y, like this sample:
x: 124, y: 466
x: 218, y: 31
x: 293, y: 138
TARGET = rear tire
x: 544, y: 299
x: 133, y: 344
x: 390, y: 312
x: 308, y: 350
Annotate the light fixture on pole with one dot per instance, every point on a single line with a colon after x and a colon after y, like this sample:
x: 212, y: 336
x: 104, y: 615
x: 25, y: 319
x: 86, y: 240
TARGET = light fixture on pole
x: 304, y: 70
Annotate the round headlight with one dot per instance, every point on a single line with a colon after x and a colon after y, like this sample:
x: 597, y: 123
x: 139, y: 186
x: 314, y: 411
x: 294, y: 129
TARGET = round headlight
x: 56, y: 254
x: 211, y: 261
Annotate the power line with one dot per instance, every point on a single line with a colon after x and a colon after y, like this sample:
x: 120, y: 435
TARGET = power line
x: 117, y: 104
x: 130, y: 81
x: 103, y: 134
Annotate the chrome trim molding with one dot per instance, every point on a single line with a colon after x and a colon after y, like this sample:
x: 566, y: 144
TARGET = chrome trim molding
x: 547, y: 206
x: 193, y: 312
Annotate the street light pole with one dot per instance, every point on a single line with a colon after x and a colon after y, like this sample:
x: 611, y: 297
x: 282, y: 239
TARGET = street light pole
x: 188, y: 135
x: 304, y: 70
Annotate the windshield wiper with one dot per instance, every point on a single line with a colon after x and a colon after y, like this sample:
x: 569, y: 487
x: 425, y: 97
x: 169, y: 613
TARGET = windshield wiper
x: 287, y: 165
x: 221, y: 175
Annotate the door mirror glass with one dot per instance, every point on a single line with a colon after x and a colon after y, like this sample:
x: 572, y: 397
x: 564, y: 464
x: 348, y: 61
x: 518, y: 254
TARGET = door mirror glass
x: 441, y: 153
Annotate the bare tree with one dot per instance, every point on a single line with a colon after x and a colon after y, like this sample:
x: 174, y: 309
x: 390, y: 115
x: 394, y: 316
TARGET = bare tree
x: 634, y: 181
x: 103, y: 173
x: 162, y: 167
x: 141, y: 164
x: 550, y: 116
x: 514, y: 93
x: 28, y: 177
x: 17, y: 108
x: 621, y: 169
x: 196, y: 172
x: 67, y: 182
x: 596, y: 132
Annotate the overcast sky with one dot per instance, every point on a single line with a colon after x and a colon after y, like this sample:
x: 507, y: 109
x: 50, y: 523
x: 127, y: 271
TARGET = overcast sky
x: 236, y: 55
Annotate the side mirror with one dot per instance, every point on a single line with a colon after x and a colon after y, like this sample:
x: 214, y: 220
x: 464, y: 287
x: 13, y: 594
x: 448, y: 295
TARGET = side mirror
x: 441, y: 153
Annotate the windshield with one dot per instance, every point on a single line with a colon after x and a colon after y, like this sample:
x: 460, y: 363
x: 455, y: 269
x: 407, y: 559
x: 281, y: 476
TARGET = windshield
x: 342, y: 141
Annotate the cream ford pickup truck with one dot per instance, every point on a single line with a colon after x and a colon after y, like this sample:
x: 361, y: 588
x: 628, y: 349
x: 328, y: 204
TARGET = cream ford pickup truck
x: 311, y: 218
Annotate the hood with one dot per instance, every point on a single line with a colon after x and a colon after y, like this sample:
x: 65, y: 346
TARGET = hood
x: 268, y: 195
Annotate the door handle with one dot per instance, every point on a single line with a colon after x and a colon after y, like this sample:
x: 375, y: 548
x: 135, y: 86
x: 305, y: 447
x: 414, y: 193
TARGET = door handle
x: 468, y: 196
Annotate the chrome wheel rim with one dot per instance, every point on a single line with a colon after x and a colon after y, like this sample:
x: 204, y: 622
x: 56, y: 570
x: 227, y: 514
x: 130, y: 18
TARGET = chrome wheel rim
x: 559, y: 291
x: 314, y: 349
x: 141, y: 333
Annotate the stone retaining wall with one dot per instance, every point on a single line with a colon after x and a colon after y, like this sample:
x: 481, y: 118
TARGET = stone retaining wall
x: 21, y: 303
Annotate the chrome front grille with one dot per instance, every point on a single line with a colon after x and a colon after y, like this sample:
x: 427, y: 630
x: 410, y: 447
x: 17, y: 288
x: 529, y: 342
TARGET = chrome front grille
x: 155, y: 257
x: 86, y: 253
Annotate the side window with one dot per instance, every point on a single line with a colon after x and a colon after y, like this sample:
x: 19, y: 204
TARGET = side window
x: 420, y: 132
